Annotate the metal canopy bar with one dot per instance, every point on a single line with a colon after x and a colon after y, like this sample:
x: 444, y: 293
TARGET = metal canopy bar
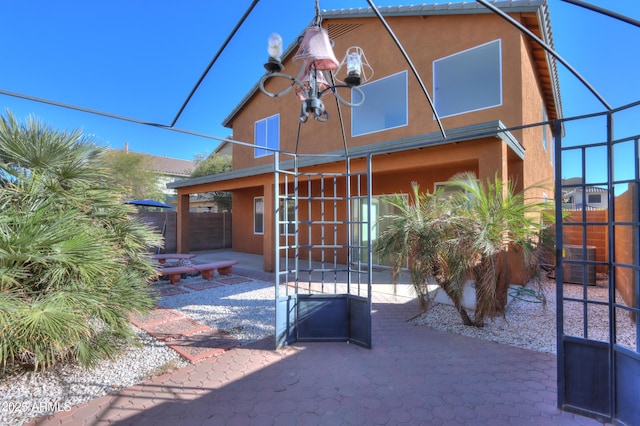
x: 413, y: 68
x: 143, y: 122
x: 213, y: 61
x: 546, y: 47
x: 609, y: 13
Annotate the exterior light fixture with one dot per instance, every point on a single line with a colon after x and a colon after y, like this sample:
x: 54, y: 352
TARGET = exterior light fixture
x: 316, y: 76
x: 275, y: 52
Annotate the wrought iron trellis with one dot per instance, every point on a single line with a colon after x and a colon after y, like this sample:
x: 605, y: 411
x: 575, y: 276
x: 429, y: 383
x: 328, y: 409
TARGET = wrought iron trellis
x: 323, y: 292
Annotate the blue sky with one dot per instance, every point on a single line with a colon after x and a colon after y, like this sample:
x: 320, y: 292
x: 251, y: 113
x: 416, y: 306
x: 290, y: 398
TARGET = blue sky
x: 141, y: 59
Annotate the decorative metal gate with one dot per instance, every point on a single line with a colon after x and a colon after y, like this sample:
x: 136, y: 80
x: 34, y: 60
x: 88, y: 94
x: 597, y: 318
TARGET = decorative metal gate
x: 599, y: 354
x: 323, y: 291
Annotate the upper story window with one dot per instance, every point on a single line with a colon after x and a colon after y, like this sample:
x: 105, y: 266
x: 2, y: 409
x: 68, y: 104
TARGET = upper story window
x: 267, y: 134
x: 385, y: 105
x: 468, y: 81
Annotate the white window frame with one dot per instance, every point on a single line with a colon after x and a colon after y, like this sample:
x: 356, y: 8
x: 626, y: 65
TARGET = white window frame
x: 438, y: 94
x: 356, y: 110
x: 257, y: 200
x: 267, y: 121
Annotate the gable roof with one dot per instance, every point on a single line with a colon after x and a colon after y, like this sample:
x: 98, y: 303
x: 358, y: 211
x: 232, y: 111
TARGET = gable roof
x: 172, y: 166
x: 535, y: 16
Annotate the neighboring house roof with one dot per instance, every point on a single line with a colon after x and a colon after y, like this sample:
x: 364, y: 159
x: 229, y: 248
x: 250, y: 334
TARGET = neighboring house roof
x: 592, y: 189
x: 571, y: 185
x: 165, y: 165
x: 538, y: 22
x: 172, y: 166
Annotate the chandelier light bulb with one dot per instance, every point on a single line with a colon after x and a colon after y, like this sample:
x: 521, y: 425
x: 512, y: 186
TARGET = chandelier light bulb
x: 354, y: 64
x: 275, y: 46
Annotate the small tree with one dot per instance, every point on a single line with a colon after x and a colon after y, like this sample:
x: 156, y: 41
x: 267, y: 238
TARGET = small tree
x: 466, y: 235
x: 132, y: 174
x: 73, y: 261
x: 211, y: 165
x: 499, y: 221
x: 424, y: 235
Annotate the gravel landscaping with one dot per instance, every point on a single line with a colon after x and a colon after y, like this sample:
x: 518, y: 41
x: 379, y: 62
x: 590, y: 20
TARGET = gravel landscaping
x: 529, y: 323
x: 244, y: 310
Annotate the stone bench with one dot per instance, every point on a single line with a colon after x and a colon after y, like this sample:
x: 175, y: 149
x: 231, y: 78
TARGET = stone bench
x: 224, y: 267
x: 174, y: 272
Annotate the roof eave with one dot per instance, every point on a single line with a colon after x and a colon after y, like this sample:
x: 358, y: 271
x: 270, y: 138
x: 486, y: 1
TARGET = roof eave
x: 473, y: 132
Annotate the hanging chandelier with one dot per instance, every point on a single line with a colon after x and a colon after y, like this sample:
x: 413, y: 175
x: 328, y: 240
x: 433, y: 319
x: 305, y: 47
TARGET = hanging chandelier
x: 318, y: 72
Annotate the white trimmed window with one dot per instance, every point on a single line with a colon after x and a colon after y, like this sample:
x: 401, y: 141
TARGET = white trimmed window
x: 385, y: 105
x: 258, y: 215
x: 468, y: 81
x: 267, y: 134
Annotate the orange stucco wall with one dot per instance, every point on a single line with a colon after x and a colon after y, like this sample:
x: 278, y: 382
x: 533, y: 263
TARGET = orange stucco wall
x: 425, y: 39
x: 243, y: 237
x: 538, y: 167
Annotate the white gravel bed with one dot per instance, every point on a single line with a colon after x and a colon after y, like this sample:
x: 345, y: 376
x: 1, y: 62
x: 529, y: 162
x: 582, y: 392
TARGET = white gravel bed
x: 245, y: 310
x: 37, y: 394
x: 530, y: 324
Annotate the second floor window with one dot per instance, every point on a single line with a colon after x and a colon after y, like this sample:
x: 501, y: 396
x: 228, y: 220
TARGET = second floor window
x: 385, y: 105
x: 267, y: 134
x: 468, y: 81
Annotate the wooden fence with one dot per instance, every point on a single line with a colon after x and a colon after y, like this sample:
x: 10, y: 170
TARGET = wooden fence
x: 207, y: 231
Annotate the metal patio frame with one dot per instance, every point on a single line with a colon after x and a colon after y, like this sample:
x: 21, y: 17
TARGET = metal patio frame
x: 600, y: 377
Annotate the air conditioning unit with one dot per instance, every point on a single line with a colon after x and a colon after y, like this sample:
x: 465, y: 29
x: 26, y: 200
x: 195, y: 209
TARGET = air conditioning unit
x: 574, y: 272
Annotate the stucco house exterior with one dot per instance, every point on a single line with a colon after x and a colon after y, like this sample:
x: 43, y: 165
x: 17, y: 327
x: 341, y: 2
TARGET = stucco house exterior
x: 487, y: 80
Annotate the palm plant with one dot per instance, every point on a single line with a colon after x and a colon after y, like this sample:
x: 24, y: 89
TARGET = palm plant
x: 499, y: 221
x: 73, y: 261
x: 424, y: 234
x: 469, y: 234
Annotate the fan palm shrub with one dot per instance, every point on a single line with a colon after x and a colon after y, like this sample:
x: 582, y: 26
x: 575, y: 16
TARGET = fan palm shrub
x: 500, y: 221
x: 423, y: 234
x: 468, y: 234
x: 73, y: 261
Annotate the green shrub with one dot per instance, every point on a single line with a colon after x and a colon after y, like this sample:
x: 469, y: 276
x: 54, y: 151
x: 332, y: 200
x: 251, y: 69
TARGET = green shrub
x: 73, y: 261
x: 468, y: 234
